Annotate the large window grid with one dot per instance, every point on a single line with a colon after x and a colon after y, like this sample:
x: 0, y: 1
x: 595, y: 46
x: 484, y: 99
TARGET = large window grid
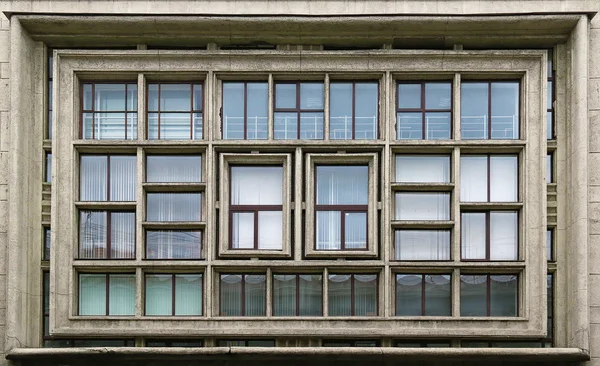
x: 354, y: 110
x: 175, y: 111
x: 299, y: 110
x: 107, y: 294
x: 245, y: 111
x: 106, y: 177
x: 424, y: 110
x: 173, y: 294
x: 109, y: 110
x: 106, y: 234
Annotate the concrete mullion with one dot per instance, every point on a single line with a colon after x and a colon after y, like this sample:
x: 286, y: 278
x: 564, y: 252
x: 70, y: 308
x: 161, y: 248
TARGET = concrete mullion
x: 456, y: 292
x: 388, y: 293
x: 269, y: 284
x: 325, y: 292
x: 139, y: 292
x: 208, y: 289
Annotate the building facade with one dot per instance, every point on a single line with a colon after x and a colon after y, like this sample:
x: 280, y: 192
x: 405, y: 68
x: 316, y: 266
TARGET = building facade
x: 300, y: 182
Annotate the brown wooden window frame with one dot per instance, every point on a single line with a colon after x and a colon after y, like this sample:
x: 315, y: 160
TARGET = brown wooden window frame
x: 488, y: 236
x: 298, y: 109
x: 488, y: 287
x: 191, y: 112
x: 108, y: 158
x: 297, y: 291
x: 353, y: 83
x: 489, y: 175
x: 221, y: 114
x: 353, y: 293
x: 107, y: 234
x: 173, y: 292
x: 242, y: 291
x: 107, y: 294
x: 93, y: 110
x: 423, y: 292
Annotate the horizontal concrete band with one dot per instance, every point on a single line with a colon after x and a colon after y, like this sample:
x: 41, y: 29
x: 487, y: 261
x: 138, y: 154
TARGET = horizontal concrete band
x: 306, y: 353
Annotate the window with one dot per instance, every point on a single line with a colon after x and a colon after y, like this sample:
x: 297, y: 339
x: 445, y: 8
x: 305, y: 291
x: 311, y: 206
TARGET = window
x: 424, y: 111
x: 256, y: 211
x: 341, y: 207
x: 550, y: 244
x: 243, y: 295
x: 173, y: 294
x: 174, y: 169
x: 106, y: 235
x: 299, y: 109
x: 106, y: 294
x: 297, y: 295
x: 420, y: 344
x: 245, y: 343
x: 350, y: 343
x: 422, y: 245
x: 489, y: 110
x: 490, y: 235
x: 48, y: 171
x: 107, y: 178
x: 550, y: 168
x: 422, y: 206
x: 550, y: 307
x: 245, y: 110
x: 50, y: 83
x: 551, y: 97
x: 422, y: 168
x: 173, y: 244
x: 46, y: 306
x: 353, y: 295
x: 353, y: 110
x: 505, y: 344
x: 489, y: 178
x: 175, y: 111
x: 47, y: 237
x: 109, y: 111
x: 174, y: 207
x: 174, y: 343
x: 423, y: 295
x: 488, y: 295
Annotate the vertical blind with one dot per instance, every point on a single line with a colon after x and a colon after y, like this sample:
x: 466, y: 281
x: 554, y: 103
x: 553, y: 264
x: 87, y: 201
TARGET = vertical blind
x: 352, y: 295
x: 243, y: 294
x: 186, y: 294
x: 297, y: 295
x: 95, y: 184
x: 174, y: 207
x: 173, y: 244
x: 93, y: 293
x: 174, y: 168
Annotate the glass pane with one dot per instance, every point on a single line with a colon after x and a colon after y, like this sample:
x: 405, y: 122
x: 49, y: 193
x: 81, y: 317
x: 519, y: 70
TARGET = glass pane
x: 549, y: 244
x: 365, y: 295
x: 311, y: 126
x: 198, y: 96
x: 48, y: 174
x: 422, y: 169
x: 503, y: 236
x: 255, y: 295
x: 175, y: 126
x: 355, y: 230
x: 233, y: 110
x: 473, y: 235
x: 88, y: 128
x: 123, y: 174
x: 260, y: 343
x: 549, y: 168
x: 409, y: 96
x: 409, y: 294
x: 437, y: 125
x: 422, y: 206
x: 46, y: 280
x: 87, y: 97
x: 47, y: 240
x: 420, y: 245
x: 409, y: 125
x: 549, y: 126
x: 122, y: 294
x: 340, y: 111
x: 159, y: 294
x: 505, y: 110
x: 311, y: 295
x: 257, y: 111
x: 503, y: 178
x: 473, y: 179
x: 549, y: 95
x: 92, y: 294
x: 270, y: 230
x: 109, y: 97
x: 152, y: 126
x: 342, y: 185
x: 122, y: 231
x: 285, y: 95
x: 284, y: 295
x: 93, y: 177
x: 188, y: 294
x: 175, y: 97
x: 242, y: 230
x: 286, y: 126
x: 174, y: 207
x: 174, y: 168
x: 503, y: 295
x: 110, y: 126
x: 437, y: 295
x: 329, y: 227
x: 92, y: 234
x: 152, y: 97
x: 474, y: 111
x: 473, y: 295
x: 312, y: 96
x: 339, y: 295
x: 173, y: 244
x: 438, y: 95
x: 256, y: 185
x: 367, y: 111
x: 131, y: 126
x: 132, y: 101
x: 231, y: 295
x: 197, y: 131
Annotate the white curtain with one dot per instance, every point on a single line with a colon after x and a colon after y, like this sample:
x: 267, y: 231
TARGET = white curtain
x: 473, y: 235
x: 93, y: 174
x: 121, y: 294
x: 174, y: 168
x: 231, y: 295
x: 422, y: 206
x: 255, y: 292
x: 188, y: 294
x: 159, y: 294
x: 92, y: 234
x: 503, y: 235
x: 174, y: 206
x: 122, y: 226
x: 473, y: 179
x: 503, y: 178
x: 173, y: 244
x: 123, y: 173
x: 432, y: 245
x: 422, y: 168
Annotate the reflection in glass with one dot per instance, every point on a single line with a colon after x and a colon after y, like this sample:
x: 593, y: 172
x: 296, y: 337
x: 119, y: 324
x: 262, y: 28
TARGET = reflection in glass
x: 422, y: 169
x: 173, y: 244
x: 420, y: 245
x: 174, y: 168
x: 422, y: 206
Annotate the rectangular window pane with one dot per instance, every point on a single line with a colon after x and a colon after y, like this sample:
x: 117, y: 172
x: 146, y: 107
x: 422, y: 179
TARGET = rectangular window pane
x: 286, y: 125
x: 422, y: 169
x: 159, y: 290
x: 110, y: 97
x: 175, y: 126
x: 503, y: 295
x: 474, y: 110
x: 174, y: 168
x: 47, y: 238
x: 409, y: 96
x: 174, y: 207
x: 367, y: 111
x: 340, y: 111
x: 549, y: 166
x: 503, y: 178
x: 93, y: 178
x: 473, y: 179
x: 48, y: 173
x: 231, y: 295
x: 550, y: 125
x: 419, y: 245
x: 355, y: 230
x: 255, y: 295
x: 175, y: 97
x: 329, y: 227
x: 92, y: 234
x: 188, y: 294
x: 473, y: 295
x: 438, y: 295
x: 365, y: 295
x: 256, y: 185
x: 438, y: 95
x: 122, y: 231
x: 92, y: 294
x: 409, y: 294
x: 473, y: 235
x: 422, y: 206
x: 503, y: 236
x: 342, y: 185
x: 285, y: 95
x: 505, y: 110
x: 173, y: 244
x: 110, y: 126
x: 233, y: 110
x: 410, y: 125
x: 312, y: 96
x: 311, y: 125
x: 257, y: 111
x: 270, y: 230
x: 311, y: 295
x: 284, y: 295
x: 549, y: 244
x: 339, y: 295
x: 242, y: 230
x: 122, y: 294
x: 123, y: 174
x: 437, y: 125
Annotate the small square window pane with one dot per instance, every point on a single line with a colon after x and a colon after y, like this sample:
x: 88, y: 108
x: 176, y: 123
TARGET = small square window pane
x: 329, y: 227
x: 503, y: 236
x: 438, y: 295
x: 173, y: 244
x: 409, y: 96
x: 110, y: 97
x: 92, y: 294
x: 188, y: 294
x: 231, y: 295
x: 505, y: 110
x: 270, y: 230
x: 473, y: 232
x: 355, y: 232
x: 342, y: 185
x: 159, y: 294
x: 438, y: 95
x: 409, y: 294
x: 339, y: 296
x: 255, y: 295
x: 422, y: 169
x: 473, y: 295
x: 286, y: 126
x: 285, y: 95
x: 175, y: 97
x: 311, y: 96
x: 174, y: 207
x: 473, y: 179
x: 256, y: 185
x: 409, y: 125
x: 474, y: 111
x: 122, y: 294
x: 503, y: 295
x: 365, y: 295
x: 503, y: 178
x: 175, y: 126
x: 422, y: 206
x: 242, y: 230
x: 311, y: 126
x: 437, y: 125
x: 420, y: 245
x: 110, y: 126
x: 174, y: 168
